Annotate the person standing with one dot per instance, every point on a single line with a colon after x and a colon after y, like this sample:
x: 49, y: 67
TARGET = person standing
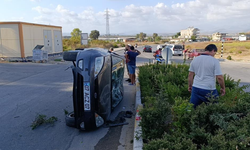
x: 203, y: 72
x: 127, y: 49
x: 111, y: 50
x: 131, y: 57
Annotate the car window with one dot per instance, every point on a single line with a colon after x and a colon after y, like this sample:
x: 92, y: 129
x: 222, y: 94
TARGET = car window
x: 178, y: 47
x: 116, y: 60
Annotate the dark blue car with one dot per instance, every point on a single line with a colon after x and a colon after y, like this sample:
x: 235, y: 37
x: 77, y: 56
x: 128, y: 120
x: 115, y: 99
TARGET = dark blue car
x: 97, y: 86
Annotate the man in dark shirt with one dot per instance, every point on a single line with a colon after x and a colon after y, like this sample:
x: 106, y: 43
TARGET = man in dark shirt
x: 131, y: 57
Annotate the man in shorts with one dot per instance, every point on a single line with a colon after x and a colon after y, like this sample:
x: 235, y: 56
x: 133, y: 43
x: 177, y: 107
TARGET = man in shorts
x: 203, y: 72
x: 131, y: 57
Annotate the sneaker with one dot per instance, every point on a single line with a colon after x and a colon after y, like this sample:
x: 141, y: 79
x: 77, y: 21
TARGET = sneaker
x: 129, y: 80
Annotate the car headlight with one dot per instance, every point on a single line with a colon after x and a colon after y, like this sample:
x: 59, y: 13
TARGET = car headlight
x: 80, y: 62
x: 98, y: 64
x: 98, y: 120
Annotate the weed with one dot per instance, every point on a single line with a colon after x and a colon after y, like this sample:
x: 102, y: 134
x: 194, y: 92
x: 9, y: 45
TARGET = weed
x: 131, y: 141
x: 66, y: 112
x: 42, y: 119
x: 247, y: 47
x: 229, y: 57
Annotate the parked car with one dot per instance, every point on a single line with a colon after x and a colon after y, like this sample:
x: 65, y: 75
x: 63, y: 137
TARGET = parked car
x: 176, y: 49
x: 97, y: 86
x: 147, y: 48
x: 194, y: 53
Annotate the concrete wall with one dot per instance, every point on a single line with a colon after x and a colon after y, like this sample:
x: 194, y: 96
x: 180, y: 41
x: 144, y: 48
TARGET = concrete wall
x: 9, y: 40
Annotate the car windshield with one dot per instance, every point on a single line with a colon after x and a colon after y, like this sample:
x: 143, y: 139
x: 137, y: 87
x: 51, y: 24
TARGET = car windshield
x: 178, y: 47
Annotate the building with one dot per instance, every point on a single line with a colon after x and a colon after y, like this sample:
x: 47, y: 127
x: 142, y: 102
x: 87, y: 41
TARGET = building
x: 18, y: 39
x: 218, y: 36
x: 244, y: 37
x: 189, y: 32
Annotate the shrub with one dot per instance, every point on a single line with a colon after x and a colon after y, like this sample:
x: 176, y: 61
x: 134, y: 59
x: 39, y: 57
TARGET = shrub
x: 115, y: 46
x: 229, y: 57
x: 170, y: 122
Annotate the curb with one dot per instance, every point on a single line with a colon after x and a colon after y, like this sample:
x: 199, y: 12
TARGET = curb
x: 138, y: 142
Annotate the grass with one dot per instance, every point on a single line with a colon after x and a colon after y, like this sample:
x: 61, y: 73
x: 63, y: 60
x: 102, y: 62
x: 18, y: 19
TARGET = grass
x: 58, y: 59
x: 42, y: 119
x: 236, y: 49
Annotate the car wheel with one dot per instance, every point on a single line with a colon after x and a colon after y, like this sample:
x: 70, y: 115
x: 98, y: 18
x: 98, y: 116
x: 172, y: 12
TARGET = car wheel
x: 179, y: 54
x: 70, y: 119
x: 70, y: 55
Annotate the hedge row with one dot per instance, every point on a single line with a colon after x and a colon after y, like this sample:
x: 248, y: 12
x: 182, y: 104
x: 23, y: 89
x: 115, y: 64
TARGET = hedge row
x: 170, y: 122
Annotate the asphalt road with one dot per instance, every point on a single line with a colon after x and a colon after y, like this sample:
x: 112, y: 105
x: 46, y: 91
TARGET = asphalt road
x: 30, y: 89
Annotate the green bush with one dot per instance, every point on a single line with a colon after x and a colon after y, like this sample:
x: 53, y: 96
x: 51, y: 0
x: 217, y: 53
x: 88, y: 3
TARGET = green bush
x: 169, y: 121
x: 229, y: 57
x: 115, y: 46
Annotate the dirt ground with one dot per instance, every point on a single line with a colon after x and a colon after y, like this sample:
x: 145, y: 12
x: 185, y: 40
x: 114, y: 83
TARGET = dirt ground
x: 239, y: 51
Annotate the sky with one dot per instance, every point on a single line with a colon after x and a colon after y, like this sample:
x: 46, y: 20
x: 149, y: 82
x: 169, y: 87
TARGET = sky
x: 128, y: 17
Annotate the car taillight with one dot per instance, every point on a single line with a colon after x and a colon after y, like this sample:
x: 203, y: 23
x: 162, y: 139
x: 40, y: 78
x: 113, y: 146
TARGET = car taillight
x: 144, y: 48
x: 173, y: 49
x: 150, y: 48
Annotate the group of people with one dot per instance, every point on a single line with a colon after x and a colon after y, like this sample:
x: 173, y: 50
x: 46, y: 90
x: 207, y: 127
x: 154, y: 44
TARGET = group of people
x: 203, y: 72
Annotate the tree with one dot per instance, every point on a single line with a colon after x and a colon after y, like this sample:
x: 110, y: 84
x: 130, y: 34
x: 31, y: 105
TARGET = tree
x: 155, y: 35
x: 158, y: 38
x: 177, y: 35
x: 150, y: 39
x: 76, y: 35
x: 94, y: 34
x: 193, y: 37
x: 142, y: 36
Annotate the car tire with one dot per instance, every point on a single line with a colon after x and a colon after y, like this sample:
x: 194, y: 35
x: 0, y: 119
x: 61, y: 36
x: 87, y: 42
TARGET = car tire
x: 70, y: 55
x: 70, y: 119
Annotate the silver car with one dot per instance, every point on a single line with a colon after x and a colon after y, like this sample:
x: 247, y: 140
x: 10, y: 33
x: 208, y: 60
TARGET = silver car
x: 176, y: 49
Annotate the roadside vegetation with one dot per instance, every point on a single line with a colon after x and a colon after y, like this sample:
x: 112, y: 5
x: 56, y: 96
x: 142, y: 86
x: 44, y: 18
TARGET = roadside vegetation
x: 232, y: 50
x: 170, y: 122
x: 42, y: 119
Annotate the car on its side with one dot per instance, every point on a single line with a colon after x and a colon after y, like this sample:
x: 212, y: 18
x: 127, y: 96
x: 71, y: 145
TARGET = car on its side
x: 147, y: 48
x: 176, y: 49
x: 97, y: 86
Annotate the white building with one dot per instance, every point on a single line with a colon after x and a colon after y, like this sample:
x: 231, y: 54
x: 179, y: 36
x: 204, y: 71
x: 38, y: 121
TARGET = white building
x: 218, y: 36
x: 18, y: 39
x: 244, y: 37
x: 189, y: 32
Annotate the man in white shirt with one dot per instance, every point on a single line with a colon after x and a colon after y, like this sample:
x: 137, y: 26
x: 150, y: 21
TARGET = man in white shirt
x: 203, y: 72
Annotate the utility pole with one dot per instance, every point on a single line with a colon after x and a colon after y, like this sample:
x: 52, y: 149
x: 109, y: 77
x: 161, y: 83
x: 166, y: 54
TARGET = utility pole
x: 107, y: 24
x: 222, y: 48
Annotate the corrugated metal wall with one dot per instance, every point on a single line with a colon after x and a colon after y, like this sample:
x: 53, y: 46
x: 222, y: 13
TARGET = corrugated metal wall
x: 31, y: 35
x: 9, y: 40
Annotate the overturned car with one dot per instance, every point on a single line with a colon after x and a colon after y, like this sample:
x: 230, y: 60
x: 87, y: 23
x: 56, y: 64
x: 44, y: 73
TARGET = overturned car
x: 97, y: 86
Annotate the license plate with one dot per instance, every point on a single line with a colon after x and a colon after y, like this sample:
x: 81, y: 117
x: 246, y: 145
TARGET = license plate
x: 86, y: 96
